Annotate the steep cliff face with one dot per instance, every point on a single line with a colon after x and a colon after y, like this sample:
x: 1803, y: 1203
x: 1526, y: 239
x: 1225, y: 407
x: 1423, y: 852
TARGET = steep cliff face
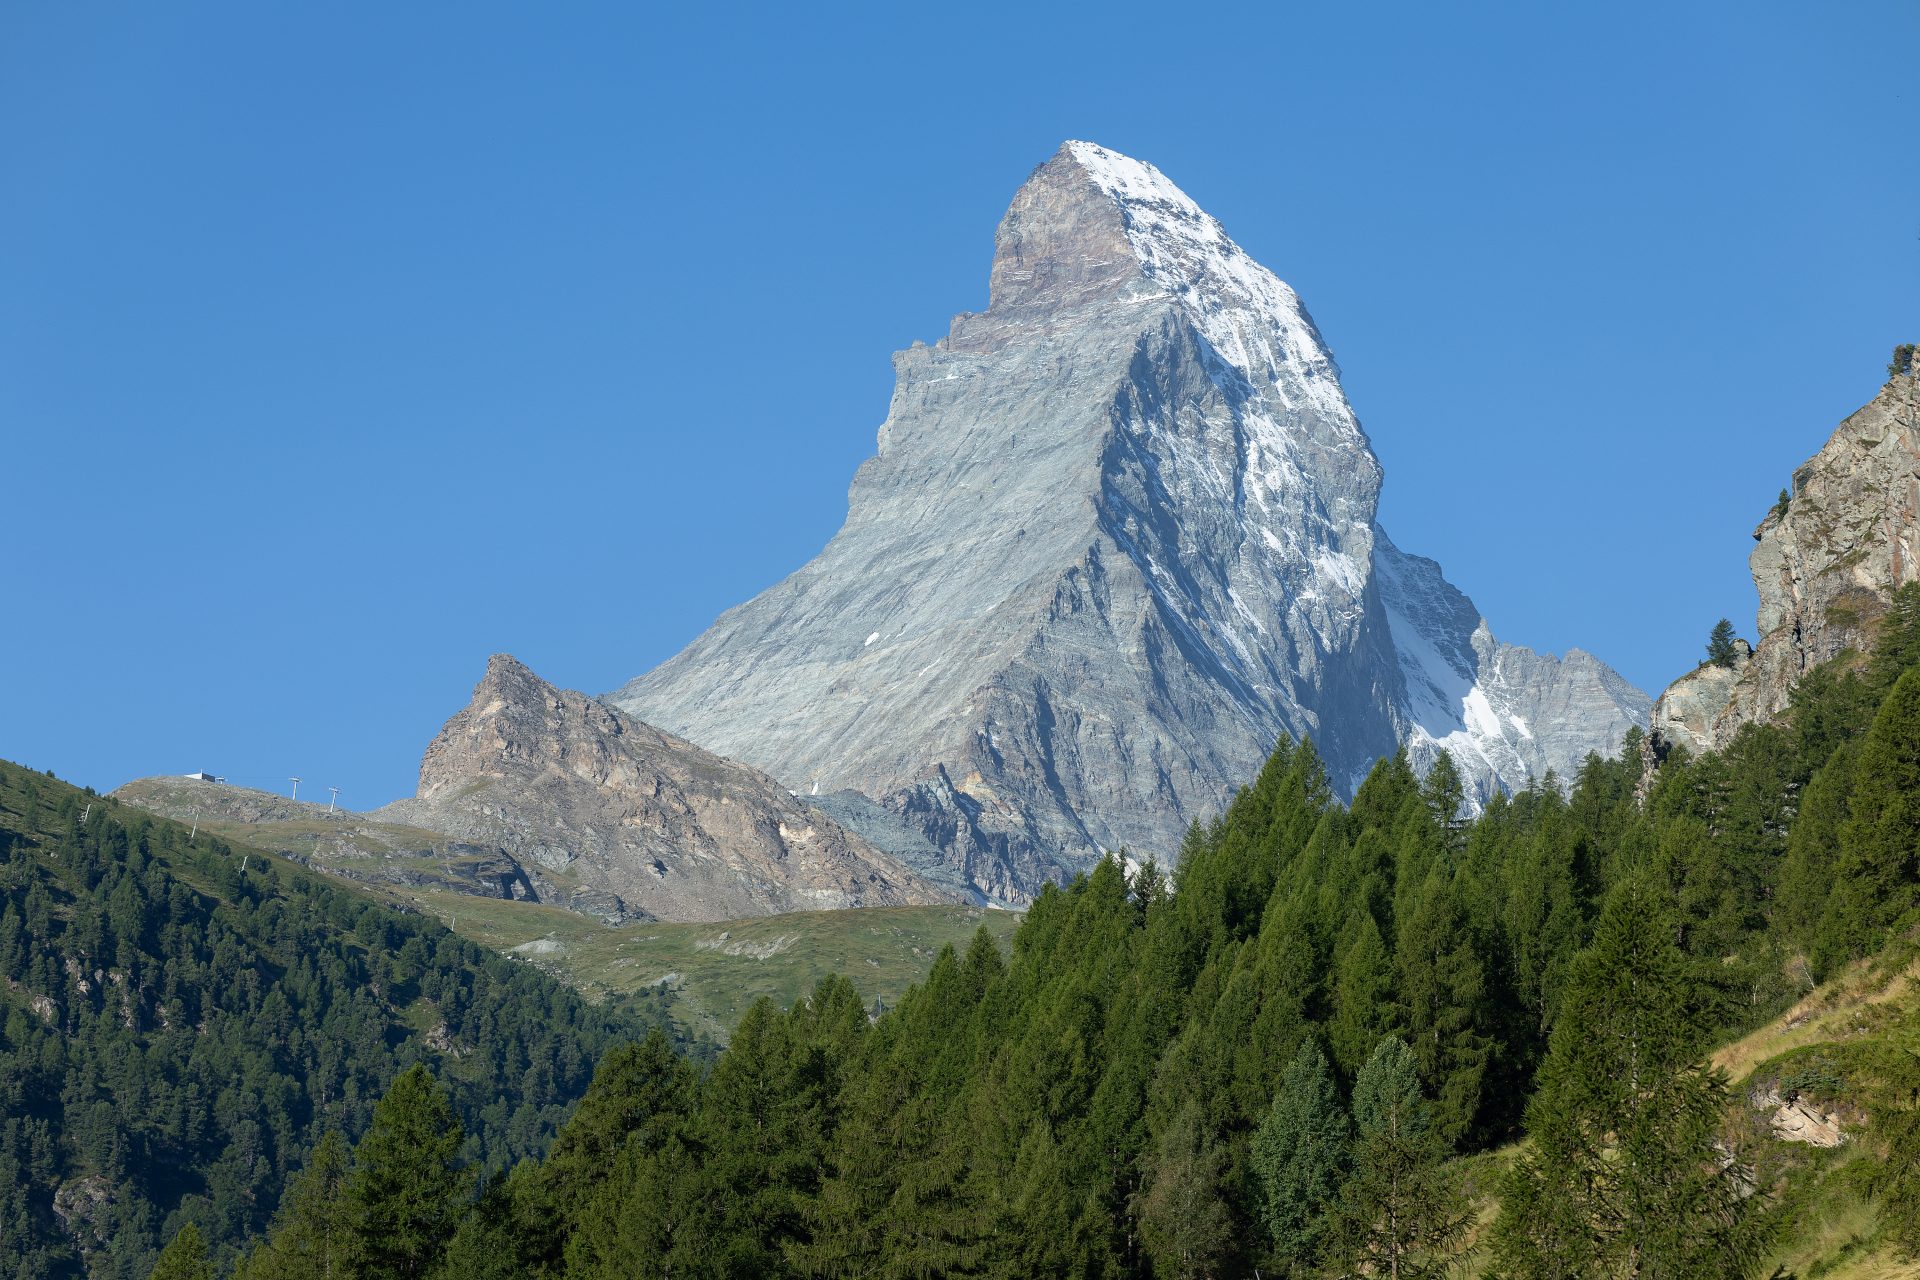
x: 1118, y: 538
x: 601, y: 803
x: 1825, y: 566
x: 1503, y: 712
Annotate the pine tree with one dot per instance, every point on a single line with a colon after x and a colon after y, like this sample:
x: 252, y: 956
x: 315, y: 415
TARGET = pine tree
x: 185, y: 1258
x: 1896, y: 644
x: 1183, y: 1221
x: 640, y: 1094
x: 488, y: 1244
x: 1807, y: 875
x: 405, y: 1188
x: 1400, y: 1214
x: 313, y: 1235
x: 1720, y: 647
x: 1626, y: 1176
x: 1441, y: 983
x: 1363, y: 1007
x: 1879, y: 861
x: 1299, y: 1160
x: 1898, y: 1181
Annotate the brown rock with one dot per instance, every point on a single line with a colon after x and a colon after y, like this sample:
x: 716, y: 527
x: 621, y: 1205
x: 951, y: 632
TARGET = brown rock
x: 604, y: 803
x: 1825, y: 567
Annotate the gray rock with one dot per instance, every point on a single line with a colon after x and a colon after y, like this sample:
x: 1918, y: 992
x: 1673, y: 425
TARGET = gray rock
x: 1118, y: 537
x: 1825, y: 567
x: 616, y: 818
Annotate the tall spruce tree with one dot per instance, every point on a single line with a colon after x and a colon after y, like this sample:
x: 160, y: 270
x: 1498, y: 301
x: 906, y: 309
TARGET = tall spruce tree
x: 1626, y: 1175
x: 1720, y: 648
x: 1442, y: 985
x: 1183, y: 1219
x: 1364, y: 1011
x: 406, y: 1187
x: 1299, y: 1160
x: 185, y: 1258
x: 1877, y: 877
x: 312, y: 1238
x: 641, y: 1095
x: 1400, y: 1213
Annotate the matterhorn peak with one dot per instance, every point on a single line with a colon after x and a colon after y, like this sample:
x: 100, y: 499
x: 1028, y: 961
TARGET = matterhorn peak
x: 1117, y: 539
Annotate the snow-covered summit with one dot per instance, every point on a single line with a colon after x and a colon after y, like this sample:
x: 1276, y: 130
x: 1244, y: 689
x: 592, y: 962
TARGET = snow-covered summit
x: 1117, y: 539
x: 1251, y: 318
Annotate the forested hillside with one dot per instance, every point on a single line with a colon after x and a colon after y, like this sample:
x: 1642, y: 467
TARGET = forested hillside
x: 180, y: 1022
x: 1286, y: 1064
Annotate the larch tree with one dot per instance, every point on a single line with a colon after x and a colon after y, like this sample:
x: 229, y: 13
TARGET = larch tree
x: 1628, y: 1174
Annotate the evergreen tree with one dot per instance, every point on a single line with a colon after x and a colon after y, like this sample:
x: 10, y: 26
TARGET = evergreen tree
x: 1400, y: 1214
x: 1720, y: 647
x: 1299, y: 1160
x: 1363, y: 1007
x: 313, y: 1236
x: 1878, y: 869
x: 1626, y: 1176
x: 1807, y: 875
x: 185, y: 1258
x: 641, y: 1095
x: 488, y: 1244
x: 405, y: 1188
x: 1897, y: 638
x: 1183, y: 1221
x: 1898, y: 1179
x: 1442, y: 986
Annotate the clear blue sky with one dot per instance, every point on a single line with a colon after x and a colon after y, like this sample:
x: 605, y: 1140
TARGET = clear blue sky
x: 343, y: 345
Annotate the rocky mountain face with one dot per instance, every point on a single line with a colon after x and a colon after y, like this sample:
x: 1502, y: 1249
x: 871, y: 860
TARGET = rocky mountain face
x: 608, y: 808
x: 1117, y: 538
x: 1826, y: 563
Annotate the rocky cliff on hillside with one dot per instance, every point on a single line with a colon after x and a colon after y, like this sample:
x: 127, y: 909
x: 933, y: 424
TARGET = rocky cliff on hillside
x: 599, y: 801
x: 1826, y: 563
x: 1118, y: 537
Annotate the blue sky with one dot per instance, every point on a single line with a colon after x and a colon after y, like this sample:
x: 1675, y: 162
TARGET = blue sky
x: 341, y: 346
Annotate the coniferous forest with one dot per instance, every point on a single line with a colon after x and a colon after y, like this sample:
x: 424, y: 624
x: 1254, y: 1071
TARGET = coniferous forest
x: 1366, y: 1040
x: 181, y: 1023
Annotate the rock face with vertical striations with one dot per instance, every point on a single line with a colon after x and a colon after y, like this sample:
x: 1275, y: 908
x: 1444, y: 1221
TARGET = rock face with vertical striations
x: 605, y: 805
x: 1117, y: 538
x: 1826, y: 564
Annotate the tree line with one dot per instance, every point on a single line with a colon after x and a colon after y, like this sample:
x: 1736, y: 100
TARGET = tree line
x: 1269, y: 1064
x: 181, y: 1023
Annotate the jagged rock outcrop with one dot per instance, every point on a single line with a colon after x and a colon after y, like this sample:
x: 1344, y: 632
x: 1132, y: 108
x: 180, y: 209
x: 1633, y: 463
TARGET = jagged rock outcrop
x: 1118, y: 537
x: 1827, y: 562
x: 602, y: 803
x: 1503, y: 712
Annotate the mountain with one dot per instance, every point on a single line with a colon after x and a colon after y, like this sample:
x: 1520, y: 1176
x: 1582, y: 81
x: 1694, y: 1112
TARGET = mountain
x: 1118, y: 538
x: 599, y: 804
x: 1828, y: 560
x: 339, y: 841
x: 181, y: 1022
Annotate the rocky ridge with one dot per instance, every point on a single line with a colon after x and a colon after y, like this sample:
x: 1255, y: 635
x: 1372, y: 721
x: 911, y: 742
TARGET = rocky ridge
x: 1118, y: 537
x: 341, y: 842
x: 1826, y: 563
x: 585, y: 794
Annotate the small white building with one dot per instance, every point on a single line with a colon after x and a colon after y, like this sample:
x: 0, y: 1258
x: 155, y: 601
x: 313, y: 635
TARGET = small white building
x: 203, y: 777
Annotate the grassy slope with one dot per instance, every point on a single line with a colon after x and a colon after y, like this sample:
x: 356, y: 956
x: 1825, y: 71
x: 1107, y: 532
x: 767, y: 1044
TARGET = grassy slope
x: 1831, y: 1229
x: 716, y: 970
x: 1828, y: 1045
x: 719, y: 970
